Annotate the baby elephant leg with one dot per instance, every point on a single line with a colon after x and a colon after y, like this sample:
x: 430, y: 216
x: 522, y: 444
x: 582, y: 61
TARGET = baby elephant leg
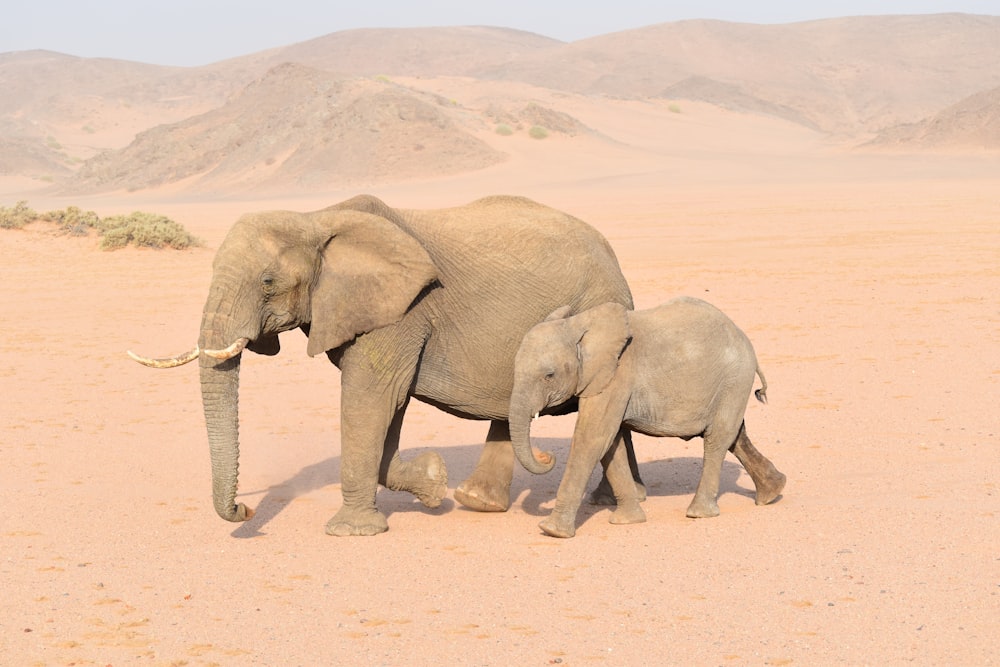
x: 705, y: 503
x: 767, y: 479
x: 626, y: 490
x: 602, y: 493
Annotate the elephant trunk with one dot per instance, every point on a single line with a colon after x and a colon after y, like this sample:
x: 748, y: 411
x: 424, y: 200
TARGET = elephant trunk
x: 220, y: 384
x: 220, y: 398
x: 521, y: 414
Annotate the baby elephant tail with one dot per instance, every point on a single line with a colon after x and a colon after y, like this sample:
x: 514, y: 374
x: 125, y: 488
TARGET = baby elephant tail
x: 761, y: 393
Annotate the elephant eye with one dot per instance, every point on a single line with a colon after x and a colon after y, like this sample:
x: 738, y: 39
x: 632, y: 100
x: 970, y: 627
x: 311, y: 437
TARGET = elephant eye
x: 267, y: 282
x: 549, y: 376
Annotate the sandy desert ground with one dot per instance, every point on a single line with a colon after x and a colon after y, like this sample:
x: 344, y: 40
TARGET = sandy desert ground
x: 868, y: 282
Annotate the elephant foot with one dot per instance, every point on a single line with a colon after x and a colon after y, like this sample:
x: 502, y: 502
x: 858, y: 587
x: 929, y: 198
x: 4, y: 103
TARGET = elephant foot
x: 433, y: 484
x: 770, y: 487
x: 483, y: 495
x: 557, y: 527
x: 702, y: 510
x: 628, y: 513
x: 348, y: 521
x: 603, y: 494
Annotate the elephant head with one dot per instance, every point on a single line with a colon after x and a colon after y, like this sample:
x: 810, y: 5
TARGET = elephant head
x: 336, y: 273
x: 559, y: 358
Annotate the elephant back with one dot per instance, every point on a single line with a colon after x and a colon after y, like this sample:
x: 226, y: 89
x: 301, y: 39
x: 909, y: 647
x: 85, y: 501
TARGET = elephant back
x: 504, y: 264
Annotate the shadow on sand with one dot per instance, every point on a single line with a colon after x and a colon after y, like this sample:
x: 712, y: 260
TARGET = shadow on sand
x: 673, y: 476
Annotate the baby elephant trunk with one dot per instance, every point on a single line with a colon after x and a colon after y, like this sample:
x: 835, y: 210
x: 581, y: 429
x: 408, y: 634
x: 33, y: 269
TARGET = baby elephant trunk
x: 534, y: 461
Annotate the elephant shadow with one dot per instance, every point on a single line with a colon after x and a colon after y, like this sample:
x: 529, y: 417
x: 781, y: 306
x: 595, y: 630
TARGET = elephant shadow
x: 663, y: 477
x: 278, y: 496
x: 325, y: 473
x: 669, y: 476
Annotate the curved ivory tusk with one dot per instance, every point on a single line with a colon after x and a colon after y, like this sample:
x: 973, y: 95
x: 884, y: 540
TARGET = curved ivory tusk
x: 168, y: 362
x: 229, y: 352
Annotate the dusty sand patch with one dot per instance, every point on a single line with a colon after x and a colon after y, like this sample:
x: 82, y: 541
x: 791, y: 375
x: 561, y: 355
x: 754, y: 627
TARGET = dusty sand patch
x: 867, y: 284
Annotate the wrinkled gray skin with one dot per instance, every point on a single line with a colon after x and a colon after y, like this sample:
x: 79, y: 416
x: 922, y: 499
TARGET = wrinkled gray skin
x: 423, y: 304
x: 682, y: 369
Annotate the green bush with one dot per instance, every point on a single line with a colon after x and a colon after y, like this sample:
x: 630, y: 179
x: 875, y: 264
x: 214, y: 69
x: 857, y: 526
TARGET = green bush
x: 504, y: 130
x: 674, y: 108
x: 538, y: 132
x: 17, y: 217
x: 72, y: 220
x: 147, y: 230
x: 141, y: 229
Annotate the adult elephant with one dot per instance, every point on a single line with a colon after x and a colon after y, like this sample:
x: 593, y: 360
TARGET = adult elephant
x: 425, y: 304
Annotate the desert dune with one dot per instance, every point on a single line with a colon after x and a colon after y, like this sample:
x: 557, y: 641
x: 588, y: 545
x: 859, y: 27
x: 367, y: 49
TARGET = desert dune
x: 868, y: 279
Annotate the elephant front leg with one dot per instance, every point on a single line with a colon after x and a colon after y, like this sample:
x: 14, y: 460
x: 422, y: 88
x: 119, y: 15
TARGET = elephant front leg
x: 360, y: 456
x: 488, y: 487
x: 368, y: 409
x: 426, y: 476
x: 597, y: 428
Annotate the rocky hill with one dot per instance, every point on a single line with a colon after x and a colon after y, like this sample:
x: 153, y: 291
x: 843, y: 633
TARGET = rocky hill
x: 841, y: 75
x: 327, y: 110
x: 296, y: 127
x: 971, y: 124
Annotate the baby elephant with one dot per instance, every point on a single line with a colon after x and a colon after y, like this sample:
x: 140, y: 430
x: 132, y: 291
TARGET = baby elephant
x: 682, y: 369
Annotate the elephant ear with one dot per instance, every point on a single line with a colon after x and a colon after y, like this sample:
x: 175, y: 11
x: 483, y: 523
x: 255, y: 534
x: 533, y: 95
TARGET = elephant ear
x: 370, y: 273
x: 560, y: 313
x: 604, y: 333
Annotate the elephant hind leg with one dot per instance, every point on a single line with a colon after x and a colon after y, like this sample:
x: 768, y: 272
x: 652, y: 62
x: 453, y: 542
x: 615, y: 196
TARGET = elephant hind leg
x: 718, y: 439
x: 767, y: 479
x: 488, y: 487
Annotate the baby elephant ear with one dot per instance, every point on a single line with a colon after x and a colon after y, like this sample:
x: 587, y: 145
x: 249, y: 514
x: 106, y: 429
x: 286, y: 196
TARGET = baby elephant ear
x: 604, y: 333
x: 370, y: 273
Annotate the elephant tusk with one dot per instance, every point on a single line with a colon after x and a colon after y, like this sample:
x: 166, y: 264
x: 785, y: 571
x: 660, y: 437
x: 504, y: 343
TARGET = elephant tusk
x: 168, y: 362
x: 535, y: 416
x: 229, y: 352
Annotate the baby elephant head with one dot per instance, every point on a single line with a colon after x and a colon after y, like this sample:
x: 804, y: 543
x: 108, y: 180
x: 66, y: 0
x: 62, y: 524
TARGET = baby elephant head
x: 560, y: 358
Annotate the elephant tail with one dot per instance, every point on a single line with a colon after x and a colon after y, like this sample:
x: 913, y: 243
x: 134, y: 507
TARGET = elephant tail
x: 761, y: 393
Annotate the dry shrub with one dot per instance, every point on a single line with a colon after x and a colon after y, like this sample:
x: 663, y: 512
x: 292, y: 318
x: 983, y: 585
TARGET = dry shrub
x: 145, y: 230
x: 17, y: 217
x: 538, y: 132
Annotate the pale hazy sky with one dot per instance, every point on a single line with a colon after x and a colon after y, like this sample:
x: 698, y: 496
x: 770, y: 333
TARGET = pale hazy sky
x: 197, y: 32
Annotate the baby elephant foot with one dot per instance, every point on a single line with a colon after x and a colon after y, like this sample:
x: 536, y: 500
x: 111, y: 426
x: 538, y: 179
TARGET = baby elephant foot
x: 603, y: 495
x: 351, y: 521
x: 556, y: 526
x: 628, y: 513
x: 702, y: 509
x: 483, y: 495
x: 432, y: 484
x: 770, y: 487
